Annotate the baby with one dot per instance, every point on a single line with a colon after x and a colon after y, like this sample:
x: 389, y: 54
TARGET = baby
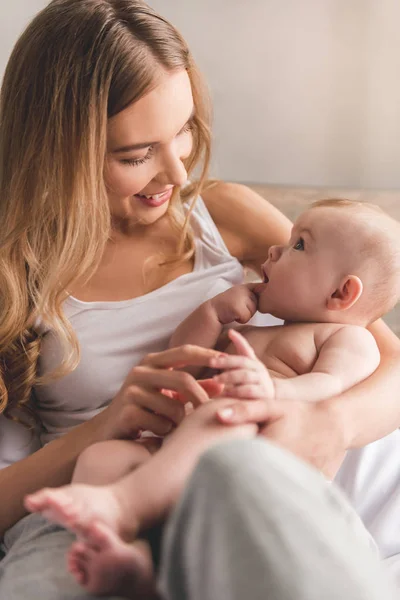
x: 339, y: 272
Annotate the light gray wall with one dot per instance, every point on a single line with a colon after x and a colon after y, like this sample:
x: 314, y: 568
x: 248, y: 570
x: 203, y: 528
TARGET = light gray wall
x: 14, y: 16
x: 305, y: 92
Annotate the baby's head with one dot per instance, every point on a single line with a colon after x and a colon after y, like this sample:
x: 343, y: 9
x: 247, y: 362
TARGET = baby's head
x: 342, y: 265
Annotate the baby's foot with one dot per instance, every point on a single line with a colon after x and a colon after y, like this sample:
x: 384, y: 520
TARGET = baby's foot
x: 76, y: 507
x: 105, y: 565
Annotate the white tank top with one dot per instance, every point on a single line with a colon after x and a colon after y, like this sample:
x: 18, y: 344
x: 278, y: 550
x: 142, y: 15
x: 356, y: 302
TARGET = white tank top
x: 114, y: 336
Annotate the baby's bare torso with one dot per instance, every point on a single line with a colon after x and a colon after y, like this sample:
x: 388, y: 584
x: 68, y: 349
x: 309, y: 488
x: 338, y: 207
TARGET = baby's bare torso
x: 288, y: 350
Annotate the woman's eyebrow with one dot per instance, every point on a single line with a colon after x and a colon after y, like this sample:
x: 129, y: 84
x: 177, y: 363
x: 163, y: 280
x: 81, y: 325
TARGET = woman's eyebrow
x: 142, y: 145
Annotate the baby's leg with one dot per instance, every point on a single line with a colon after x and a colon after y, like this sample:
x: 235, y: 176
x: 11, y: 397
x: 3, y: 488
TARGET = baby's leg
x: 106, y: 462
x: 144, y: 496
x: 137, y: 501
x: 105, y: 565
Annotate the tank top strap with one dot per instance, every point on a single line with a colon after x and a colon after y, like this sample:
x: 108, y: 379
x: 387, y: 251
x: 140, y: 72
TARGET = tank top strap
x: 205, y: 228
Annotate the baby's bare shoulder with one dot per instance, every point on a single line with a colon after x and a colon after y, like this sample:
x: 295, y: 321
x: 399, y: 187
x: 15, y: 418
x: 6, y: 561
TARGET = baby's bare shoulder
x: 342, y: 333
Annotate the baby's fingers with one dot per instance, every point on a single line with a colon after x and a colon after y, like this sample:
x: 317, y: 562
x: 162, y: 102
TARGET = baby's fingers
x: 242, y: 346
x: 237, y: 376
x: 249, y: 391
x: 232, y: 361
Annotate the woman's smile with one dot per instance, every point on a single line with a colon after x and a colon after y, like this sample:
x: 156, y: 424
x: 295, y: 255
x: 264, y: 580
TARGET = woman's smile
x: 155, y: 200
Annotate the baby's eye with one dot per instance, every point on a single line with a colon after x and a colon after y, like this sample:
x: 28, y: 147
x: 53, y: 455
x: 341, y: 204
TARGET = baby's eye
x: 299, y: 245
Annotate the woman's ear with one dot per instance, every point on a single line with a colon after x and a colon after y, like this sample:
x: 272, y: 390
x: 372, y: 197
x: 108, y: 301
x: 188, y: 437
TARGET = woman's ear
x: 347, y: 294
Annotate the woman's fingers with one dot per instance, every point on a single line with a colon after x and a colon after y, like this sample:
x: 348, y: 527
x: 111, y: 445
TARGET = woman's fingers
x: 164, y: 405
x: 155, y: 379
x: 153, y: 444
x: 239, y: 412
x: 233, y: 361
x: 180, y: 357
x: 242, y: 346
x: 157, y: 424
x: 212, y: 387
x: 136, y: 419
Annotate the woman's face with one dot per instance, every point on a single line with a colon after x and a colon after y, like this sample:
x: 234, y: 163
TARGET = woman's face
x: 146, y: 146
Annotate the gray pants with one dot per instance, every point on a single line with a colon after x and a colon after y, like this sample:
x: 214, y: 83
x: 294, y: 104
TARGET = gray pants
x: 35, y: 566
x: 254, y: 523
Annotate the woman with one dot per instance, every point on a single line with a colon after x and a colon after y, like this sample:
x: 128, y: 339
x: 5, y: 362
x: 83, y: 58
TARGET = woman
x: 103, y: 119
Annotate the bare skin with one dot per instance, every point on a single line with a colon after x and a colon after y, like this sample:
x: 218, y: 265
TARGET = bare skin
x: 308, y: 361
x: 135, y: 502
x: 104, y: 564
x: 310, y: 357
x: 249, y: 228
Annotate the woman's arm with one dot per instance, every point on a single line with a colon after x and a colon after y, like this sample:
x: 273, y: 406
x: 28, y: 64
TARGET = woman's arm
x: 52, y: 465
x: 371, y: 409
x: 138, y: 405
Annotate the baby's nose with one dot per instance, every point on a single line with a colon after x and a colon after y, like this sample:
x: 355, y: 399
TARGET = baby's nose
x: 274, y: 252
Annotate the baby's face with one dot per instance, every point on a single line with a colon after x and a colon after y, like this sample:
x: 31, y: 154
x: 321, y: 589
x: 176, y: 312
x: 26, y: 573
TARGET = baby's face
x: 300, y: 276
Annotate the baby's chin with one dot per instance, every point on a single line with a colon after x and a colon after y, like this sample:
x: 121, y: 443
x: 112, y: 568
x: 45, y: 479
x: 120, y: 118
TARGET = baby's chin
x: 279, y: 313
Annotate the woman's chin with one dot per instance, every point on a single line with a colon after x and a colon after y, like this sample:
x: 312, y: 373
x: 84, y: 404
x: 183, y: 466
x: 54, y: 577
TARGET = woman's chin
x: 150, y: 217
x: 139, y: 215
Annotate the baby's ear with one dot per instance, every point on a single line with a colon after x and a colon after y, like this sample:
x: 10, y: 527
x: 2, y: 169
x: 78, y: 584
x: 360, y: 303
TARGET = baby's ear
x: 347, y: 294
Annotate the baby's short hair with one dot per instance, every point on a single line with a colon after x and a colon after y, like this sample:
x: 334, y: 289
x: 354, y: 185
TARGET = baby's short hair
x: 377, y: 250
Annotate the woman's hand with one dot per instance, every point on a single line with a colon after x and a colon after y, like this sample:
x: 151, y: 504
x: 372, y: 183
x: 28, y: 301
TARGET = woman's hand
x: 141, y: 405
x: 311, y: 431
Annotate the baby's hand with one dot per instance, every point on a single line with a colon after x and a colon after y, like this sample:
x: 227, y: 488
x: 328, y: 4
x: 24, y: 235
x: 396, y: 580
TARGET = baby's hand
x: 239, y: 304
x: 244, y: 375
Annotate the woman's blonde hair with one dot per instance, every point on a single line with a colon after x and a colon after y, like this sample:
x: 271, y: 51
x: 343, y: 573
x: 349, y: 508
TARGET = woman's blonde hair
x: 77, y: 64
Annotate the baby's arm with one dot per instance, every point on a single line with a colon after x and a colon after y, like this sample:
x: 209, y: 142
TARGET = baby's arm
x: 347, y: 357
x: 204, y: 326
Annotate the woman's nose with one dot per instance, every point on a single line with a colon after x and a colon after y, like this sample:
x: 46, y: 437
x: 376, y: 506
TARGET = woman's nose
x: 174, y: 171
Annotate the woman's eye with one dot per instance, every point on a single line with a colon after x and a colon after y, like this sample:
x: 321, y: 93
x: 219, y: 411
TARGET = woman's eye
x: 135, y: 162
x: 299, y: 245
x: 188, y: 127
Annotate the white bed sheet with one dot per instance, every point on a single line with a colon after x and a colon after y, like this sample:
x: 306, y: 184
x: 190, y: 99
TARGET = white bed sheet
x: 370, y: 478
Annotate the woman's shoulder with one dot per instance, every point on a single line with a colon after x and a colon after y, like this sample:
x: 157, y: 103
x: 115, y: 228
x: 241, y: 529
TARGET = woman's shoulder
x: 248, y: 223
x: 218, y: 194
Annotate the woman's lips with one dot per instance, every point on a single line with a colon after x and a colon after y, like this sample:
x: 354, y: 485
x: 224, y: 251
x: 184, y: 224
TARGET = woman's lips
x: 155, y: 200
